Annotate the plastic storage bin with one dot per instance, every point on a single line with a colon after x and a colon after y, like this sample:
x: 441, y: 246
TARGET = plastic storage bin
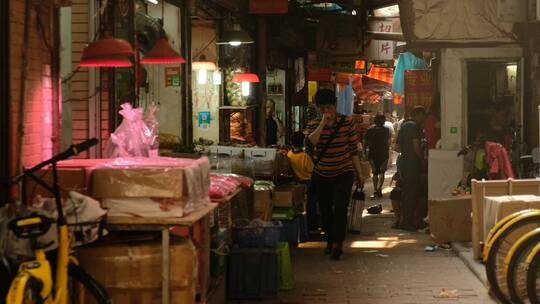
x: 255, y: 236
x: 253, y: 273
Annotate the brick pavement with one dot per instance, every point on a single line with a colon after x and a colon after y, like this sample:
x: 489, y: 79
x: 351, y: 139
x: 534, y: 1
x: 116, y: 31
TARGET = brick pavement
x: 381, y: 265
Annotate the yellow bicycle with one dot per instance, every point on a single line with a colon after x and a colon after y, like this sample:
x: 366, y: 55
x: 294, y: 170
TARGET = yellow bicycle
x: 34, y: 281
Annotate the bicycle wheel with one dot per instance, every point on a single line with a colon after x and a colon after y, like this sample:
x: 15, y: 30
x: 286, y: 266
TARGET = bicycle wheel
x: 516, y: 266
x: 533, y: 275
x: 496, y: 229
x: 83, y: 289
x: 500, y: 246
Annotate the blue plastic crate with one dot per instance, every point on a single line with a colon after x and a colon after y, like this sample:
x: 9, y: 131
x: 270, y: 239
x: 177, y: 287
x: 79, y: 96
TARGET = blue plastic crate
x: 253, y: 274
x: 258, y: 236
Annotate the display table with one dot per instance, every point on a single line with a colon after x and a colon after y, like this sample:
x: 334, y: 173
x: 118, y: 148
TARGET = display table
x: 198, y: 218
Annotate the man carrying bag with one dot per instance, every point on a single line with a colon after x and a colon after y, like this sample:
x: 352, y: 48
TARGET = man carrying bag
x: 334, y: 139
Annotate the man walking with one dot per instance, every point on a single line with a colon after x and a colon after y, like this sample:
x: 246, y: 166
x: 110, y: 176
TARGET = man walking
x: 377, y: 142
x: 411, y: 165
x: 335, y: 139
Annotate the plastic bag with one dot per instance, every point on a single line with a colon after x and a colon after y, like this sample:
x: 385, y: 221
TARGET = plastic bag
x: 134, y: 136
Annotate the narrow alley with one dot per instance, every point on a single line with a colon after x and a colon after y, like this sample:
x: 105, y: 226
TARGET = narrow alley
x: 383, y: 265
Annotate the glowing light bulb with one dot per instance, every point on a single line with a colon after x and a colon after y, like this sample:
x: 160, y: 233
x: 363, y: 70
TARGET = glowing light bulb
x: 245, y: 88
x: 235, y: 43
x: 201, y: 76
x: 216, y: 77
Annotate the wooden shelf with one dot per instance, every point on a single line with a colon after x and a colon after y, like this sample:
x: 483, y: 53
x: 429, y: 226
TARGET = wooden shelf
x: 187, y: 220
x: 237, y: 107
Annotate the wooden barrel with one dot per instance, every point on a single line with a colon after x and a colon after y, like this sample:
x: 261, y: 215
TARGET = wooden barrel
x: 131, y: 271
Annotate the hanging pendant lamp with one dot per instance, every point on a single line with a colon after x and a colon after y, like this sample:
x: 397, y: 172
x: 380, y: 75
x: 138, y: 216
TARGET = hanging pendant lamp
x: 107, y: 52
x: 235, y: 37
x: 202, y: 66
x: 246, y: 79
x: 162, y: 53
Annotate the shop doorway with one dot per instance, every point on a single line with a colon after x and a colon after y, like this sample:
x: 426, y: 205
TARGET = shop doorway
x: 275, y: 91
x: 494, y: 107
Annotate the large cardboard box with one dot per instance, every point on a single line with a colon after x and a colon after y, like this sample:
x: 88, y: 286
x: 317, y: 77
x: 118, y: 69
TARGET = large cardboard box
x: 450, y: 219
x: 498, y: 207
x: 69, y: 179
x: 109, y: 182
x: 289, y: 196
x: 263, y: 203
x: 131, y: 272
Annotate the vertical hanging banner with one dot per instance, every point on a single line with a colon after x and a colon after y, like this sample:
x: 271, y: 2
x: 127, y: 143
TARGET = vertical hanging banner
x: 268, y: 7
x: 418, y: 89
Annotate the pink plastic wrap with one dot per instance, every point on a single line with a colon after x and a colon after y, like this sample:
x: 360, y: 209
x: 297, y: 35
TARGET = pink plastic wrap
x: 186, y: 180
x: 224, y: 184
x: 133, y: 137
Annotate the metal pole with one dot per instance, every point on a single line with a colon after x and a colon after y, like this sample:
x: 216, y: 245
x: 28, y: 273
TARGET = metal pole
x: 187, y: 113
x: 261, y: 70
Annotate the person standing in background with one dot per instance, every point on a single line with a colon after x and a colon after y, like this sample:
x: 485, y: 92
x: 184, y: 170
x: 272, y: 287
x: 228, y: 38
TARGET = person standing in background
x: 411, y: 165
x: 302, y: 166
x: 274, y: 126
x: 334, y: 138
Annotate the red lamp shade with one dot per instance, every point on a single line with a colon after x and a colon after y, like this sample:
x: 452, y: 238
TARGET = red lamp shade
x: 203, y: 65
x: 107, y: 52
x: 249, y: 77
x: 162, y: 53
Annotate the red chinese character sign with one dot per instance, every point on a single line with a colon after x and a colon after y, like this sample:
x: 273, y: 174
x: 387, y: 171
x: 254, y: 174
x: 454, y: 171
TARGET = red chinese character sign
x: 268, y: 7
x: 418, y: 89
x: 381, y: 49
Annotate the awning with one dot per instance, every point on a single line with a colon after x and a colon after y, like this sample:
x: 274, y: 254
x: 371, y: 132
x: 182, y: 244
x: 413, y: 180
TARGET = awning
x: 381, y: 74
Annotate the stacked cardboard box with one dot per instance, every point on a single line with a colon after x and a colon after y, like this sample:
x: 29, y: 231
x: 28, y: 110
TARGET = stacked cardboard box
x: 450, y: 219
x: 112, y: 264
x: 498, y: 207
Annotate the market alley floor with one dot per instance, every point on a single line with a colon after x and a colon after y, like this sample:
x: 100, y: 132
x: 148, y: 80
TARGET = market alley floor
x: 382, y: 265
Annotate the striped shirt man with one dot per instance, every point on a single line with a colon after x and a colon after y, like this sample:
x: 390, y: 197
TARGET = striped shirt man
x: 337, y: 157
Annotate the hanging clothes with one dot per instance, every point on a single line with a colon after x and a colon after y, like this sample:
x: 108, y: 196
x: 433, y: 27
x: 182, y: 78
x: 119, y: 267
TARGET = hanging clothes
x: 499, y: 165
x: 345, y: 99
x: 406, y: 61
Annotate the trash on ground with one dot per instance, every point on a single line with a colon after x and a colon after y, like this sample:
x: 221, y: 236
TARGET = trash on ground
x: 380, y: 255
x: 370, y: 251
x: 431, y: 248
x: 448, y: 294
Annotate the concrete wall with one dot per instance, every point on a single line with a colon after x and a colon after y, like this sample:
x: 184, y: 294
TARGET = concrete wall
x: 453, y: 81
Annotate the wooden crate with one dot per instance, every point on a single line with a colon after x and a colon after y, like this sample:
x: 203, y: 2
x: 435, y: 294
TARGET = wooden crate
x: 481, y: 189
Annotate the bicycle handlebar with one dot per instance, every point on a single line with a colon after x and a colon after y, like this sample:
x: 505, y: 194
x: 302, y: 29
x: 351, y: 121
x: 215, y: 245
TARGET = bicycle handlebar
x: 71, y: 151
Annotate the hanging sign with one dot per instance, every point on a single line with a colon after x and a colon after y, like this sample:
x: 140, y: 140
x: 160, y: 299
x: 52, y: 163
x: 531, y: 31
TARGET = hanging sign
x: 172, y: 76
x: 381, y: 49
x: 418, y: 89
x: 268, y: 7
x: 319, y: 74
